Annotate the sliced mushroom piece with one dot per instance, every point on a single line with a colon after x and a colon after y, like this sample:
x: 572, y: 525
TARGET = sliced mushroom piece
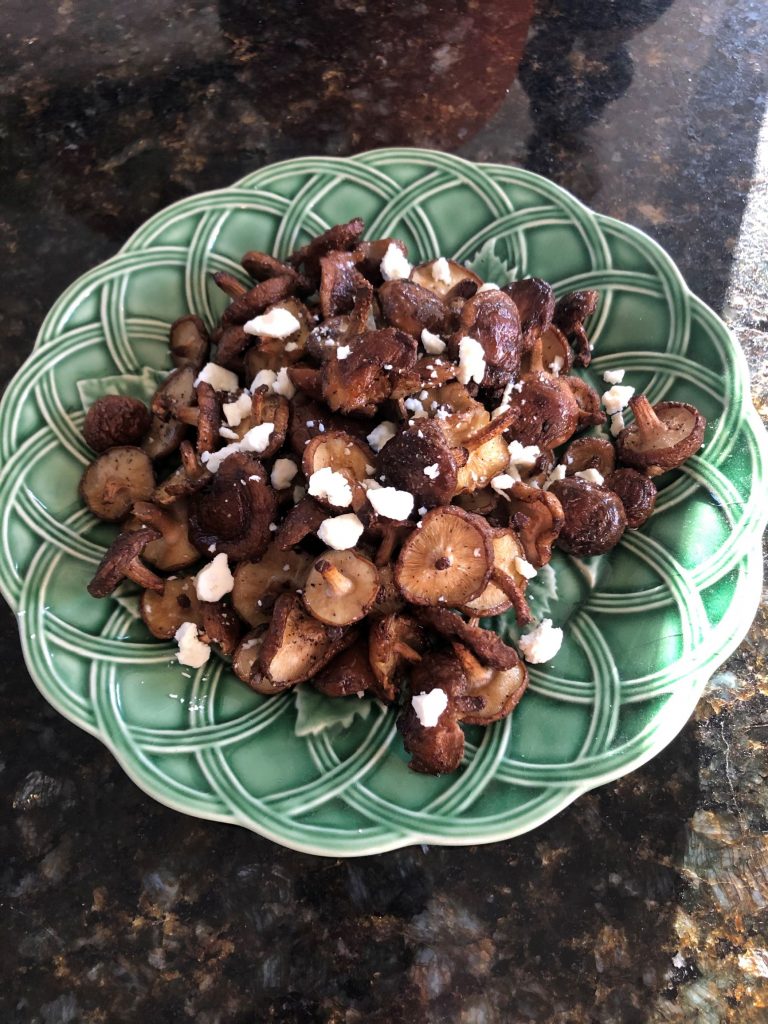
x: 117, y: 479
x: 395, y: 643
x: 507, y: 585
x: 491, y: 318
x: 420, y: 461
x: 122, y: 561
x: 304, y: 518
x: 594, y: 517
x: 637, y: 493
x: 221, y: 627
x: 164, y: 612
x: 587, y: 400
x: 342, y: 237
x: 341, y: 587
x: 256, y: 300
x: 295, y: 647
x: 487, y: 645
x: 431, y: 276
x: 662, y: 437
x: 589, y: 453
x: 189, y: 343
x: 366, y: 377
x: 411, y: 308
x: 341, y: 453
x: 259, y: 583
x: 500, y: 689
x: 535, y: 303
x: 190, y: 477
x: 349, y: 673
x: 209, y: 418
x: 115, y: 420
x: 247, y: 652
x: 176, y: 392
x: 234, y: 511
x: 172, y: 550
x: 570, y: 313
x: 339, y: 282
x: 447, y: 561
x: 538, y: 518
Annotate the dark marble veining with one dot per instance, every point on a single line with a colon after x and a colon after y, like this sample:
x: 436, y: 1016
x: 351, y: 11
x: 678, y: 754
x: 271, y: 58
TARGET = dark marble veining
x: 647, y: 901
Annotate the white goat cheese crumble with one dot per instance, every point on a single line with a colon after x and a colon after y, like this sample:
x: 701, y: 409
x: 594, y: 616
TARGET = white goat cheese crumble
x: 235, y: 412
x: 592, y: 476
x: 471, y: 361
x: 614, y: 376
x: 617, y: 398
x: 332, y: 486
x: 390, y: 502
x: 433, y: 343
x: 276, y: 323
x: 264, y: 378
x: 283, y: 384
x: 214, y: 580
x: 433, y: 471
x: 192, y: 651
x: 394, y: 266
x: 283, y: 471
x: 219, y: 378
x: 429, y: 707
x: 524, y: 567
x: 379, y: 436
x: 441, y: 271
x: 341, y: 532
x: 542, y: 643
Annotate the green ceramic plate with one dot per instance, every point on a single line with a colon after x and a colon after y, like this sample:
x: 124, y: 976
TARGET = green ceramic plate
x: 645, y: 625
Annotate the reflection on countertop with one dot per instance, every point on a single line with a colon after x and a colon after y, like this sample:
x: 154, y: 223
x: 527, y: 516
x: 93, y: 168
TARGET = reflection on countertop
x: 646, y: 901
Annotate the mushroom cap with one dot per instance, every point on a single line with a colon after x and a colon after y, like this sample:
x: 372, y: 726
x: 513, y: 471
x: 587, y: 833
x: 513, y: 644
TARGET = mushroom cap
x: 349, y: 673
x: 422, y: 275
x: 176, y: 392
x: 341, y: 600
x: 546, y: 413
x: 482, y: 465
x: 274, y: 353
x: 339, y: 281
x: 589, y: 453
x: 266, y: 408
x: 448, y: 560
x: 574, y: 308
x: 507, y: 546
x: 412, y: 308
x: 173, y: 549
x: 115, y: 420
x: 261, y: 266
x: 295, y: 647
x: 164, y: 613
x: 247, y: 652
x: 121, y: 560
x: 163, y: 437
x: 637, y: 493
x: 491, y: 318
x: 538, y: 517
x: 594, y: 517
x: 499, y: 689
x: 395, y: 642
x: 234, y: 511
x: 438, y: 749
x: 487, y: 646
x: 588, y: 402
x: 405, y: 458
x: 360, y: 382
x: 220, y: 625
x: 662, y: 437
x: 339, y: 237
x: 342, y: 453
x: 554, y: 346
x: 535, y: 303
x: 302, y: 520
x: 117, y: 479
x: 189, y: 342
x: 258, y: 583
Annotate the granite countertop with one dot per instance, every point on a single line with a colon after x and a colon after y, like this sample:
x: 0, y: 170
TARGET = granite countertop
x: 647, y: 900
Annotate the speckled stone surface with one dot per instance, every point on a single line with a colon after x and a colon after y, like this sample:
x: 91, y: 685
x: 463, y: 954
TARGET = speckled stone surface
x: 647, y: 901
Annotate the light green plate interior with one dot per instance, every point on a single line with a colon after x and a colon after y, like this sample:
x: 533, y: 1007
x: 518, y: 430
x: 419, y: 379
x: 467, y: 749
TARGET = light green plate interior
x: 644, y: 626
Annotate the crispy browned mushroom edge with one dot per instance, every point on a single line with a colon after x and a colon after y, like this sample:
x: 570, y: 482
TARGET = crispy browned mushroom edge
x: 356, y: 463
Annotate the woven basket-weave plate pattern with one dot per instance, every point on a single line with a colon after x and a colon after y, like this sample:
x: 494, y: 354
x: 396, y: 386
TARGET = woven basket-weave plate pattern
x: 644, y: 626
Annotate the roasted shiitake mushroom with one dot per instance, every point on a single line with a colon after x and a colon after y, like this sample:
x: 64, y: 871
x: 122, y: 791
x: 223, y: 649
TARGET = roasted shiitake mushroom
x: 594, y: 517
x: 349, y: 673
x: 395, y: 642
x: 589, y: 453
x: 538, y: 518
x: 247, y: 652
x: 535, y: 303
x: 259, y: 583
x: 341, y: 453
x: 173, y: 549
x: 411, y: 308
x: 499, y: 689
x: 341, y: 587
x: 115, y: 420
x: 234, y: 511
x: 366, y: 375
x: 636, y: 492
x: 420, y: 461
x: 434, y: 749
x: 545, y: 412
x: 442, y: 276
x: 570, y: 313
x: 175, y: 603
x: 662, y: 437
x: 122, y: 561
x: 487, y: 645
x: 188, y: 478
x: 491, y: 318
x: 189, y: 343
x: 339, y: 238
x: 115, y: 481
x: 507, y: 584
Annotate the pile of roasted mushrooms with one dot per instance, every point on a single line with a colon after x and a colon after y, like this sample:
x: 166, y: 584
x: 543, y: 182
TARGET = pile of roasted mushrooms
x: 359, y: 462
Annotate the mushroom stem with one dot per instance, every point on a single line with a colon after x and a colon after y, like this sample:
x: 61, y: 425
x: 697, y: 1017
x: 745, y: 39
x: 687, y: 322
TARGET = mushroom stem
x: 474, y: 620
x: 475, y: 671
x: 443, y: 562
x: 148, y: 513
x: 537, y: 356
x: 114, y: 488
x: 648, y: 423
x: 193, y: 467
x: 188, y: 414
x: 514, y: 592
x: 334, y: 578
x: 387, y: 546
x: 406, y: 651
x: 493, y: 429
x: 229, y: 284
x: 138, y: 572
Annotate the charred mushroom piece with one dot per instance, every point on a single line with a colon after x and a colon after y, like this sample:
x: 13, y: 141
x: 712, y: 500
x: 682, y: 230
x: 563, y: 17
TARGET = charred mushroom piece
x: 116, y: 480
x: 274, y: 353
x: 556, y: 353
x: 163, y: 437
x: 538, y: 518
x: 115, y: 420
x: 164, y: 612
x: 368, y: 255
x: 121, y: 561
x: 491, y: 318
x: 176, y: 392
x: 341, y: 237
x: 261, y: 266
x: 256, y: 300
x: 247, y: 653
x: 420, y: 461
x: 489, y: 648
x: 232, y: 344
x: 190, y: 477
x: 637, y: 493
x: 266, y: 408
x: 395, y: 644
x: 588, y: 402
x: 234, y: 511
x: 339, y: 283
x: 189, y: 343
x: 172, y: 550
x: 435, y: 749
x: 309, y: 418
x: 410, y: 308
x: 258, y: 584
x: 365, y: 378
x: 341, y: 587
x: 594, y: 517
x: 535, y: 303
x: 209, y: 418
x: 589, y: 453
x: 295, y: 647
x: 662, y: 437
x: 447, y: 561
x: 432, y: 276
x: 221, y: 627
x: 389, y: 600
x: 349, y: 673
x: 486, y: 503
x: 570, y: 313
x: 500, y: 689
x: 303, y: 519
x: 507, y: 585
